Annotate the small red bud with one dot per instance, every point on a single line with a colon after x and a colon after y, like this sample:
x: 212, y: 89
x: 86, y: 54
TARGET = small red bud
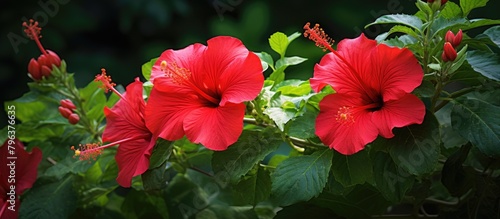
x: 455, y: 40
x: 34, y: 69
x: 442, y: 1
x: 449, y: 53
x: 73, y: 118
x: 46, y: 71
x: 66, y: 103
x: 458, y: 38
x: 65, y: 112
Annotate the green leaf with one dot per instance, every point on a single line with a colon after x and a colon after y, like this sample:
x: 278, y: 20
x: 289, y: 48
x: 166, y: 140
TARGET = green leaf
x: 442, y: 25
x: 392, y: 181
x: 94, y: 101
x: 155, y: 179
x: 478, y: 122
x: 161, y: 153
x: 253, y: 189
x: 138, y: 204
x: 451, y: 10
x: 350, y: 170
x: 454, y: 177
x: 494, y: 34
x: 147, y: 67
x: 468, y: 5
x: 251, y: 147
x: 280, y: 116
x: 293, y: 87
x: 486, y: 63
x: 361, y: 202
x: 424, y: 7
x: 416, y: 148
x: 278, y: 75
x: 53, y: 200
x: 287, y: 61
x: 304, y: 126
x: 266, y: 58
x: 301, y: 178
x: 279, y: 42
x: 403, y: 29
x: 293, y: 36
x: 402, y: 19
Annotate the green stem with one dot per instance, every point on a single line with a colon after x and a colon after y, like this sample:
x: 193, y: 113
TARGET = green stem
x: 426, y: 58
x: 74, y: 95
x: 452, y: 96
x: 293, y: 141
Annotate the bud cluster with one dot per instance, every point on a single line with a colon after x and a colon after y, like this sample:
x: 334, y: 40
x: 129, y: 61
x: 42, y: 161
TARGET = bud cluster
x: 67, y: 110
x: 452, y: 41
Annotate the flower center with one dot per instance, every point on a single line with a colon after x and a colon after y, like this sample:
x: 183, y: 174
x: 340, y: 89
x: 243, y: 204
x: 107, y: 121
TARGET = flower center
x: 182, y: 76
x: 344, y: 115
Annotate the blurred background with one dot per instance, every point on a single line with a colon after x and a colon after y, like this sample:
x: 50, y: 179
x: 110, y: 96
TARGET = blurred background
x: 121, y: 35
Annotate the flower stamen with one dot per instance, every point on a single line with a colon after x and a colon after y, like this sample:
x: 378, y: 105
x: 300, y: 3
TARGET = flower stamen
x: 182, y: 76
x: 344, y: 115
x: 319, y: 36
x: 93, y: 150
x: 33, y: 31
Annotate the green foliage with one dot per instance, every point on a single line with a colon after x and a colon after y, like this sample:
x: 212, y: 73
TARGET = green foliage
x: 292, y: 181
x: 278, y: 164
x: 478, y: 122
x: 252, y: 146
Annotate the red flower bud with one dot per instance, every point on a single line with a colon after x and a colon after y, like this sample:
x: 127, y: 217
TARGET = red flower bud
x: 65, y: 112
x: 442, y: 1
x: 34, y: 69
x: 449, y: 53
x: 73, y: 118
x: 43, y: 65
x: 455, y: 40
x: 66, y: 103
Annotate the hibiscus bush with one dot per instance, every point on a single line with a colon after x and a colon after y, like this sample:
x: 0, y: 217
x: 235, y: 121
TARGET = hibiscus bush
x: 406, y: 124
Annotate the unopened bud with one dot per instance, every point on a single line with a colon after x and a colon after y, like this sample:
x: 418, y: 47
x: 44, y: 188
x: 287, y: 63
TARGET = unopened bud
x: 73, y: 118
x: 34, y: 69
x: 455, y: 40
x: 449, y: 53
x: 67, y: 103
x: 65, y: 112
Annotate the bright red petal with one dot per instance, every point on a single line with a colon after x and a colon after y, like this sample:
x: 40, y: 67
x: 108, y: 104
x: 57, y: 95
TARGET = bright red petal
x: 167, y: 108
x: 242, y: 80
x: 346, y: 138
x: 398, y: 113
x: 25, y: 164
x: 221, y: 53
x: 395, y: 72
x: 126, y: 118
x: 186, y: 58
x: 215, y: 128
x: 133, y: 159
x: 345, y: 77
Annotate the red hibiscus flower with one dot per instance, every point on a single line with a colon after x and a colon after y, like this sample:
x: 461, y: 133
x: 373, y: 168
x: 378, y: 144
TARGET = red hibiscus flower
x: 126, y: 127
x: 373, y: 84
x: 17, y: 173
x: 199, y: 92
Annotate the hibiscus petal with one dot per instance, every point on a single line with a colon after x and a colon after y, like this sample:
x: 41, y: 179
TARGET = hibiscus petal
x: 167, y: 108
x: 345, y: 73
x: 398, y: 113
x: 125, y: 119
x: 395, y: 72
x: 185, y: 58
x: 346, y: 138
x: 242, y: 80
x: 215, y: 128
x: 26, y: 166
x: 132, y: 159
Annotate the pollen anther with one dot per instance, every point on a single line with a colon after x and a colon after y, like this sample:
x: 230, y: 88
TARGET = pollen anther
x: 344, y: 115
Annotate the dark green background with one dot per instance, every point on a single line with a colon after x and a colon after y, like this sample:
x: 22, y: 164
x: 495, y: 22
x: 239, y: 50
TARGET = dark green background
x: 121, y: 35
